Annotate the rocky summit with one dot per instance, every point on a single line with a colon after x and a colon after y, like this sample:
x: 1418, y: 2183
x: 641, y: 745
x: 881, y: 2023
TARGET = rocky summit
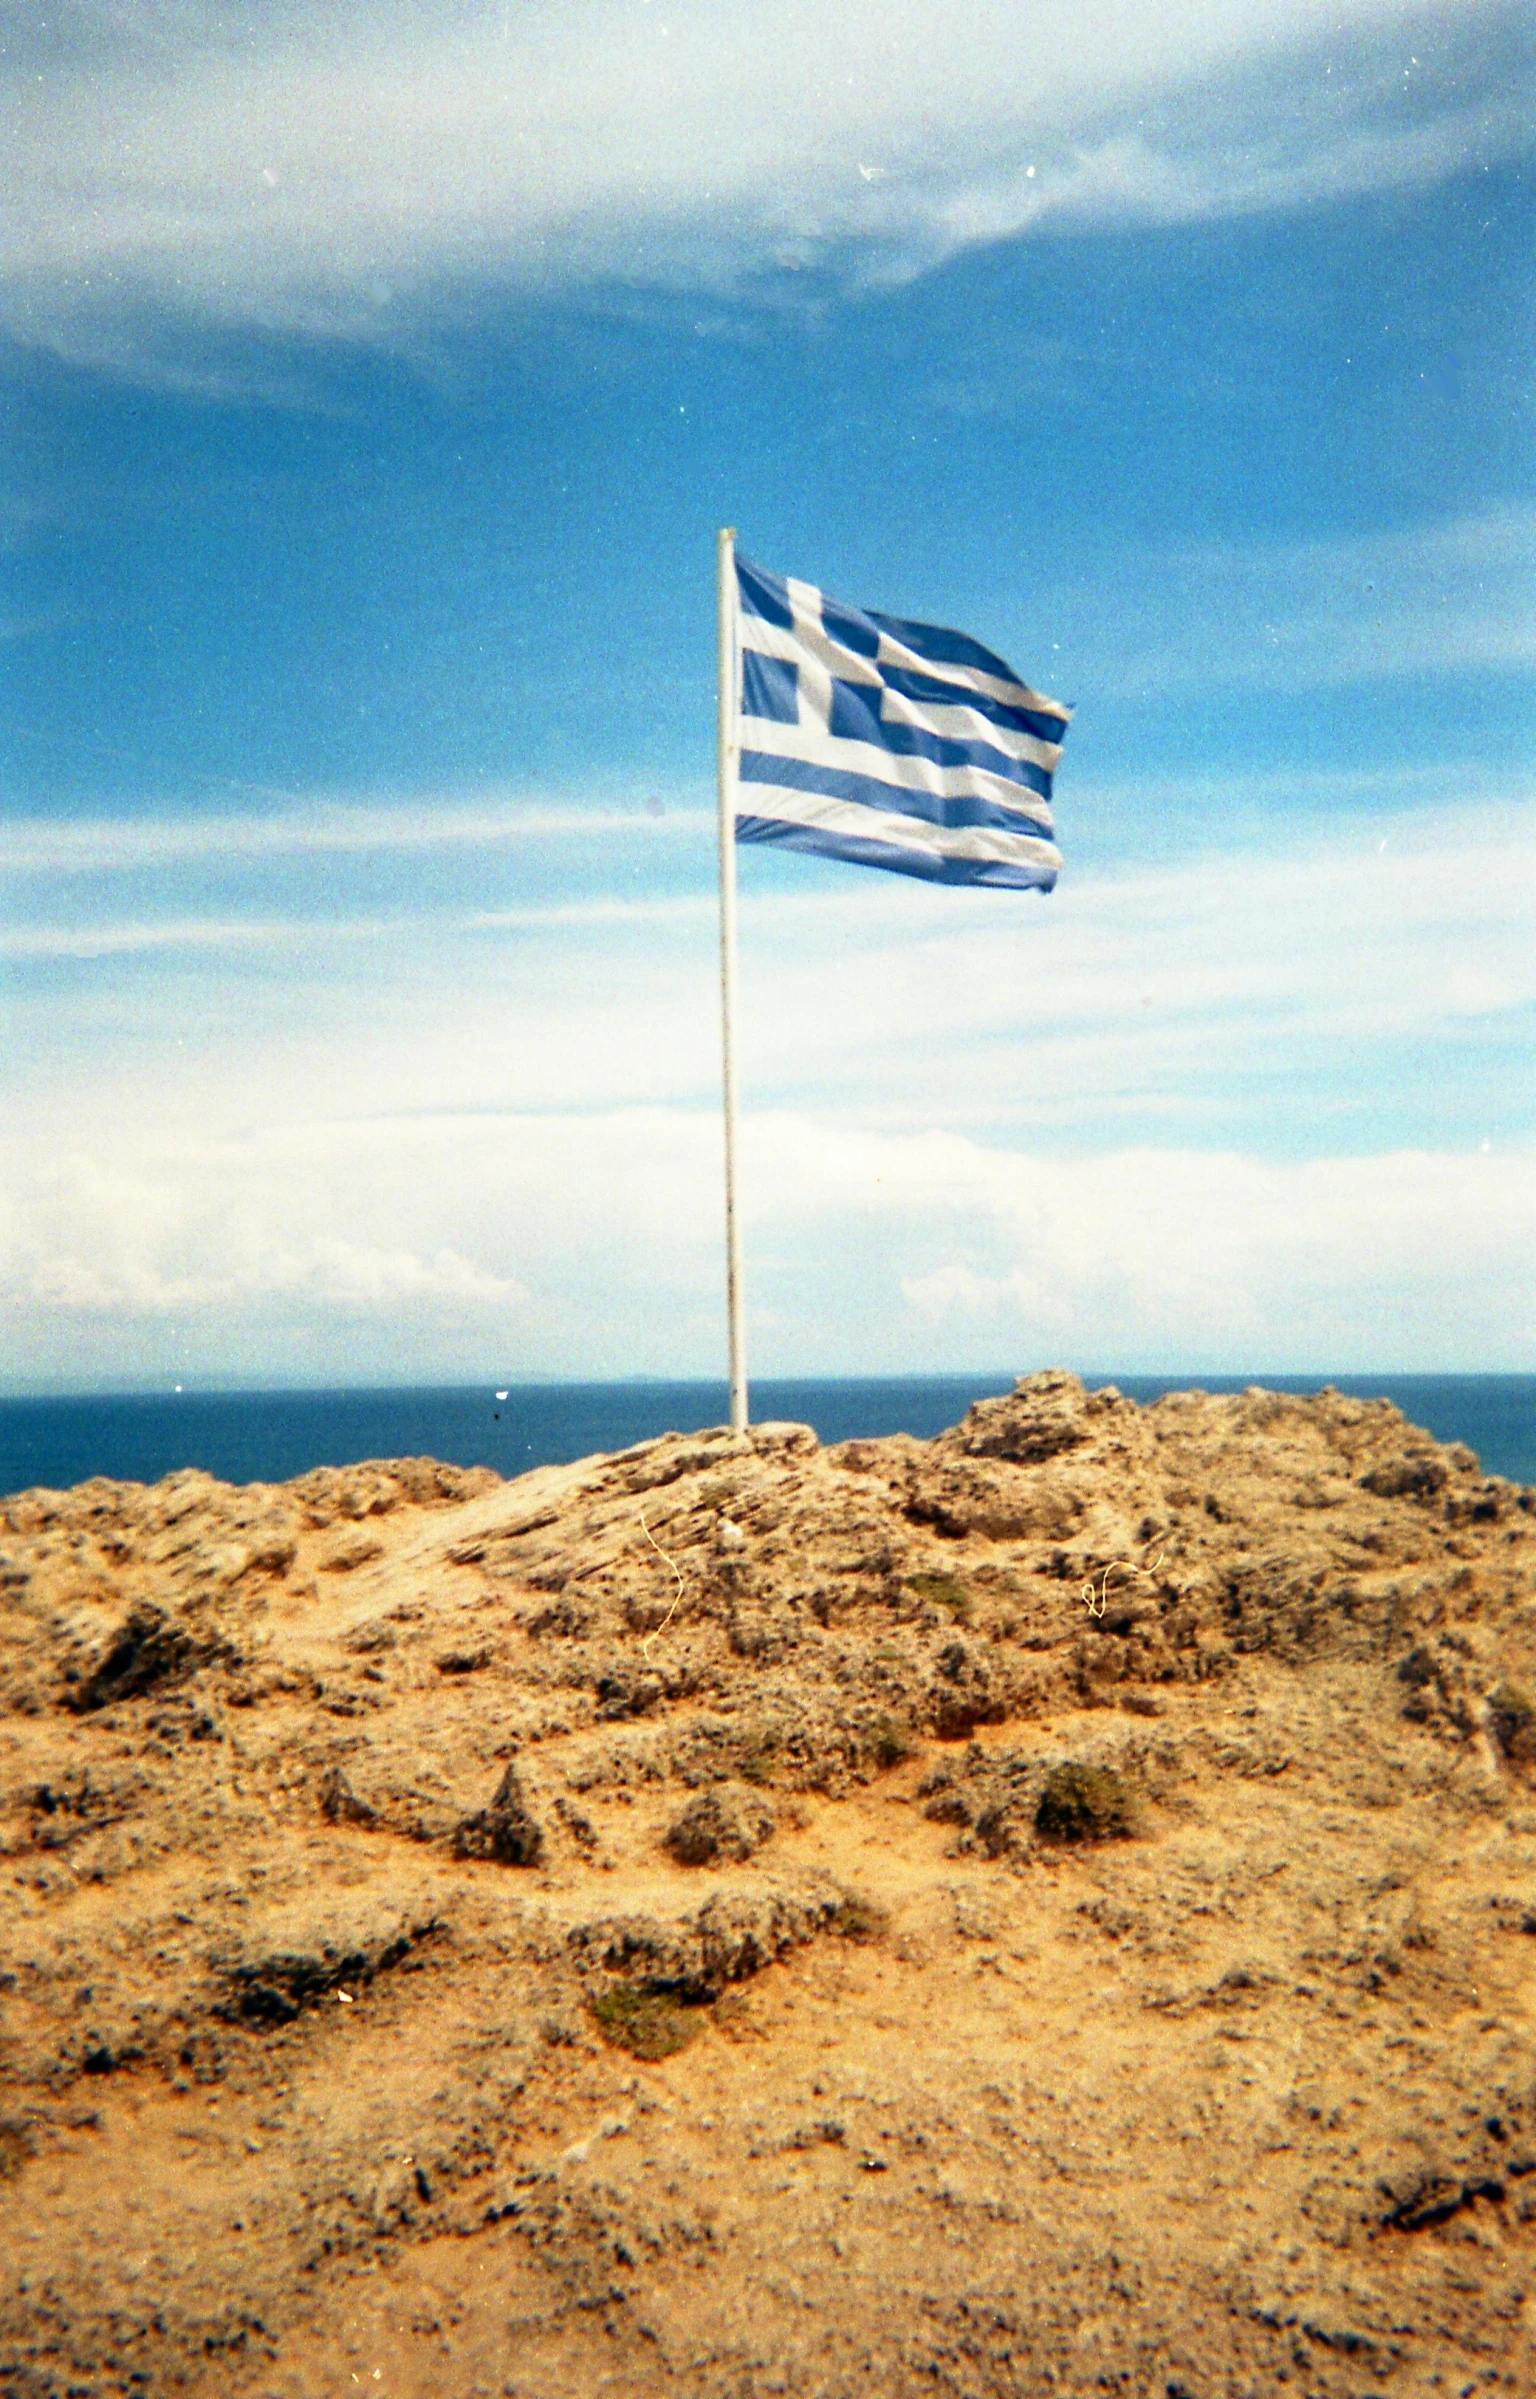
x: 1046, y: 1910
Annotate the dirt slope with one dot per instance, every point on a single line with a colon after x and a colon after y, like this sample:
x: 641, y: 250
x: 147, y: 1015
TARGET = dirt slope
x: 1071, y: 1886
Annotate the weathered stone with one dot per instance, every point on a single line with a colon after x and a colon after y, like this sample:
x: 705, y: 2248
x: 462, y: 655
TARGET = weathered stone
x: 719, y: 1824
x: 507, y: 1831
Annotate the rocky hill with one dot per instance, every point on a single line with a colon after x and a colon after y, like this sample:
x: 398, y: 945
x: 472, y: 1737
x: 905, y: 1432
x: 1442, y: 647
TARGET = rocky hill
x: 1050, y: 1909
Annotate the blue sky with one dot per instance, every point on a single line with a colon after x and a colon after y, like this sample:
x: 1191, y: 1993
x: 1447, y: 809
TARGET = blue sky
x: 375, y: 378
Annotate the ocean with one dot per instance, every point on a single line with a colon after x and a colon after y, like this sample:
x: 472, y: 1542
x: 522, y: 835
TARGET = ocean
x: 267, y: 1436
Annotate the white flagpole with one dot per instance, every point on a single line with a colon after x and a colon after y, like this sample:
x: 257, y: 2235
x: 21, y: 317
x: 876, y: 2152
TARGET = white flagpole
x: 727, y: 744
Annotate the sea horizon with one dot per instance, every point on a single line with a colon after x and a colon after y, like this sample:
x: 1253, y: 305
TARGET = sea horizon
x: 270, y: 1433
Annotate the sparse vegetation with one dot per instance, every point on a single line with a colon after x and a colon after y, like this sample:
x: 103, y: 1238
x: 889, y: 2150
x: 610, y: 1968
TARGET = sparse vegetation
x: 507, y: 1830
x: 16, y: 2145
x: 736, y: 2017
x: 859, y: 1919
x: 1085, y: 1803
x: 647, y: 2020
x: 1512, y: 1716
x: 887, y: 1742
x: 340, y: 1804
x: 944, y: 1591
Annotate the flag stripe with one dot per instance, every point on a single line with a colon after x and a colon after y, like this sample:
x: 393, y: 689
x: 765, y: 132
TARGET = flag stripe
x: 780, y: 745
x: 890, y: 743
x: 943, y: 648
x: 962, y: 807
x: 902, y: 753
x: 915, y: 684
x: 862, y: 838
x: 763, y: 594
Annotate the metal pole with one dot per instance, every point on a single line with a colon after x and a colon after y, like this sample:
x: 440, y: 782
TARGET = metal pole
x: 726, y: 734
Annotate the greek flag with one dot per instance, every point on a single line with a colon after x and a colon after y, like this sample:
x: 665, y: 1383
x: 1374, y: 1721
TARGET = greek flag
x: 890, y: 744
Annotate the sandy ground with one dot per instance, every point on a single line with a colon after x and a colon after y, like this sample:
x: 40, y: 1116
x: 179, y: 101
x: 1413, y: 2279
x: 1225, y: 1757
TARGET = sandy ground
x: 1072, y: 1886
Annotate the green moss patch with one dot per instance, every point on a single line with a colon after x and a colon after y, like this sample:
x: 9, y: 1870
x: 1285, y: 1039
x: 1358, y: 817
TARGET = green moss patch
x: 943, y: 1591
x: 1085, y: 1803
x: 646, y: 2020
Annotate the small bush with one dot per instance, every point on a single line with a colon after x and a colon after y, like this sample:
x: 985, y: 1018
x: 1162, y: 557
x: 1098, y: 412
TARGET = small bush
x: 887, y: 1742
x: 1512, y: 1716
x: 1416, y: 1476
x: 340, y: 1804
x: 943, y: 1591
x: 1085, y: 1803
x: 736, y: 2017
x: 16, y: 2145
x: 859, y: 1919
x: 647, y: 2021
x: 147, y: 1652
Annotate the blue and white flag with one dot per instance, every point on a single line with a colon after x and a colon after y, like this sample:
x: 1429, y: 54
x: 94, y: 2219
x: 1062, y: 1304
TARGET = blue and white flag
x: 890, y: 744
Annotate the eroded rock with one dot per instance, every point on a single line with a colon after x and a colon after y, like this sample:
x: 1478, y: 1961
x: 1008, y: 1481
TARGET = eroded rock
x: 720, y: 1823
x: 1218, y: 2076
x: 507, y: 1830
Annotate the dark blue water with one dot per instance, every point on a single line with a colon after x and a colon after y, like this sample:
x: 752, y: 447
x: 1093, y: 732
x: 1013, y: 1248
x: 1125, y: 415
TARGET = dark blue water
x: 266, y: 1436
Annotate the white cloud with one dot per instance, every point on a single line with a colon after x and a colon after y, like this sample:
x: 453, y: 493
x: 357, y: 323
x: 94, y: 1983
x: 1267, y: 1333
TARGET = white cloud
x: 1441, y: 599
x: 1409, y: 1258
x: 1228, y: 1113
x: 1377, y: 971
x: 592, y: 1243
x: 108, y: 845
x: 339, y: 1273
x: 291, y: 934
x: 339, y: 170
x: 221, y: 934
x: 187, y: 1227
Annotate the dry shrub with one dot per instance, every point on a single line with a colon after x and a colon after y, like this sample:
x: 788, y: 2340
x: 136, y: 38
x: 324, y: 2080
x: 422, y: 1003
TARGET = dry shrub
x: 719, y: 1824
x: 647, y: 2020
x: 943, y: 1591
x: 17, y: 2144
x: 507, y: 1830
x: 887, y: 1742
x: 736, y: 2017
x: 1512, y: 1716
x: 1085, y: 1803
x: 858, y: 1919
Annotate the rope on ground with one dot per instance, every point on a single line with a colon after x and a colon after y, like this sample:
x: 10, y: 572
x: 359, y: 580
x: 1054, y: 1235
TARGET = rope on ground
x: 1142, y: 1574
x: 677, y: 1576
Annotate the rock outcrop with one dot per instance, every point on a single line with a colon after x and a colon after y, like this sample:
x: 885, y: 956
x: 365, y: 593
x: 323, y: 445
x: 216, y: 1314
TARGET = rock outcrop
x: 1049, y: 1908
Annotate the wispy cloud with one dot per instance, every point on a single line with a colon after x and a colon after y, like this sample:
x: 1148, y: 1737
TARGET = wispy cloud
x: 1446, y: 598
x: 292, y: 934
x: 353, y: 172
x: 1251, y: 1106
x: 1336, y: 972
x: 118, y: 1274
x: 105, y: 845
